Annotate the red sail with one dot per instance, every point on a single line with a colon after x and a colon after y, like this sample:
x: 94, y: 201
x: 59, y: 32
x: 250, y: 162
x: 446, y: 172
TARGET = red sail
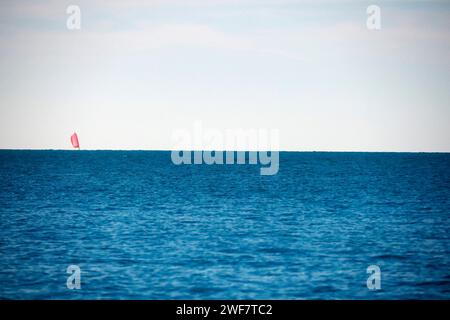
x: 74, y: 140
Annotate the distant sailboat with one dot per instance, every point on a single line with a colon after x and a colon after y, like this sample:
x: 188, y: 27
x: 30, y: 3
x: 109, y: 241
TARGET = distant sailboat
x: 74, y: 140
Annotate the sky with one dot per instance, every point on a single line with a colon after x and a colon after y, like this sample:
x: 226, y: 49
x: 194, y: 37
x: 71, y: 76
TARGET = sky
x: 137, y: 71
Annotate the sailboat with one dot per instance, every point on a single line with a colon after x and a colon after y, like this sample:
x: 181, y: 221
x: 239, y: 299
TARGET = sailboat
x: 74, y: 140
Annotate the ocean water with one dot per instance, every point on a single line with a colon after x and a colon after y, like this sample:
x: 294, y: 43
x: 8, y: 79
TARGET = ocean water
x: 140, y: 227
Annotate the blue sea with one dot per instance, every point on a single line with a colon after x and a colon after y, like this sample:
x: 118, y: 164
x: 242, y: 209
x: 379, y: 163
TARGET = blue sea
x: 140, y: 227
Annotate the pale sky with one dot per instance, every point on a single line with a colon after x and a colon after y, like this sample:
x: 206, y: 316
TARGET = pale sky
x: 137, y: 71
